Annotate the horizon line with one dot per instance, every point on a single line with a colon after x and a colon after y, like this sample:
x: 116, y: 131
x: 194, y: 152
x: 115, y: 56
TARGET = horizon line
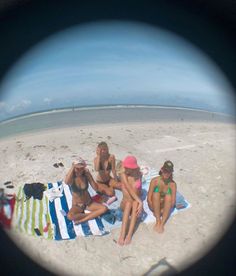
x: 108, y: 106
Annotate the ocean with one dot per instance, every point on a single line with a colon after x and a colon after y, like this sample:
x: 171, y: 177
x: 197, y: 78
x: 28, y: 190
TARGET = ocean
x: 84, y: 116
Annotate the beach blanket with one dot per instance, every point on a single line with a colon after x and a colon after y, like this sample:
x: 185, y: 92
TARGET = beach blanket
x: 147, y: 216
x: 64, y: 228
x: 31, y: 216
x: 47, y: 217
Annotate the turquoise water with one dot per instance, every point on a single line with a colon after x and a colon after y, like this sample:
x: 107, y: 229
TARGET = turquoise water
x: 105, y: 115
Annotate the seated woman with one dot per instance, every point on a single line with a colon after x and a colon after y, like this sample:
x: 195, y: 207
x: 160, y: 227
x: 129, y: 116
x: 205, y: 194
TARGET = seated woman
x: 162, y: 195
x: 104, y: 164
x: 79, y: 178
x: 131, y: 203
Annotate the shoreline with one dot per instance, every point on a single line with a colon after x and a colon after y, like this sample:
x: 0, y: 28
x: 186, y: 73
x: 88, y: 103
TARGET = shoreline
x: 98, y: 107
x: 106, y: 115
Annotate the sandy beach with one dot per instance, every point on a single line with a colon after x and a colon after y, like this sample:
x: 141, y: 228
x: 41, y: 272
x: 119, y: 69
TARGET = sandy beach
x: 204, y: 159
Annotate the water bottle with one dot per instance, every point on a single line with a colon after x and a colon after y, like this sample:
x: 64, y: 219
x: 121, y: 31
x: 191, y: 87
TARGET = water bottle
x: 7, y: 210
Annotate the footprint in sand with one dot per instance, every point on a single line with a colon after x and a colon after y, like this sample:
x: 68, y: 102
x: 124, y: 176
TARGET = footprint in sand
x: 64, y: 147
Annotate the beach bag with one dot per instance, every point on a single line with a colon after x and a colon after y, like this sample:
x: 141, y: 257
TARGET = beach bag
x: 34, y: 190
x: 109, y: 217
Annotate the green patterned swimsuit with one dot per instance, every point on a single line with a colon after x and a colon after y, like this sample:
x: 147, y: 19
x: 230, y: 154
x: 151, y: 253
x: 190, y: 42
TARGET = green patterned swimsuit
x: 157, y: 188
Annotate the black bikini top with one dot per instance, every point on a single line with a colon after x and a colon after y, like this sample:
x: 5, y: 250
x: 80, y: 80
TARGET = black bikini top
x: 78, y: 190
x: 108, y: 168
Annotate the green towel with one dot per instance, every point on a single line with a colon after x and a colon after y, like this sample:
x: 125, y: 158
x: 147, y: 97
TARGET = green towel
x: 32, y: 214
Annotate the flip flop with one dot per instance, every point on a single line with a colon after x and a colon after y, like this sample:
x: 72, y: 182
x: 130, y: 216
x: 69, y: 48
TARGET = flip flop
x: 55, y: 165
x: 60, y: 164
x: 10, y: 186
x: 8, y: 182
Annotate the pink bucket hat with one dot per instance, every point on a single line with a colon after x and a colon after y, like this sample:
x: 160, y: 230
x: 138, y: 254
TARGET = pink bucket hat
x: 130, y: 162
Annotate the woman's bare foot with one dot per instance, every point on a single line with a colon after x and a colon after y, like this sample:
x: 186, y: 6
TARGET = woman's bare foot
x: 127, y: 240
x: 121, y: 241
x: 80, y: 216
x: 159, y: 227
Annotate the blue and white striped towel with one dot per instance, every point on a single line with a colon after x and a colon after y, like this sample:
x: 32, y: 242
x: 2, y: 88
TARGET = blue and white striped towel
x: 65, y: 229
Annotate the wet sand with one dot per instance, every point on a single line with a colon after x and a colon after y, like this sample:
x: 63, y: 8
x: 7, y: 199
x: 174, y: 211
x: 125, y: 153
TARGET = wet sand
x: 203, y: 154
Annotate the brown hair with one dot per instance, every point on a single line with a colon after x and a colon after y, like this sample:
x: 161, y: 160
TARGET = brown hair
x: 171, y: 176
x: 135, y: 173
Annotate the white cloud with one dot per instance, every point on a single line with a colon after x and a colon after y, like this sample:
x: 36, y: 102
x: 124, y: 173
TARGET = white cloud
x: 3, y: 106
x: 47, y: 100
x: 23, y: 104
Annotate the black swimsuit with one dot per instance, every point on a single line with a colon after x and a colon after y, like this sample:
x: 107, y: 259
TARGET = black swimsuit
x: 76, y: 189
x: 108, y: 168
x: 79, y: 191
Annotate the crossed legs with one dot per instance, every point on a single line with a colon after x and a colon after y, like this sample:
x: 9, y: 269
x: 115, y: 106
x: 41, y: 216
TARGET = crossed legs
x: 77, y: 214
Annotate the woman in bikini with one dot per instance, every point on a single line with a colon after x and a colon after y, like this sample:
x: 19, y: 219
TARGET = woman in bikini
x: 162, y: 195
x: 104, y: 164
x: 131, y: 203
x: 79, y: 178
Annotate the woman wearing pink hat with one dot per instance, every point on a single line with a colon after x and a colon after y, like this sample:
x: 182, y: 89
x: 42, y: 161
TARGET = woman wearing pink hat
x: 162, y: 195
x: 131, y: 203
x: 79, y: 178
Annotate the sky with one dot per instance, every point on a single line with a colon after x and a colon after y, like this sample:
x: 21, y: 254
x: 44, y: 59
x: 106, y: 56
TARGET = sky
x: 113, y: 62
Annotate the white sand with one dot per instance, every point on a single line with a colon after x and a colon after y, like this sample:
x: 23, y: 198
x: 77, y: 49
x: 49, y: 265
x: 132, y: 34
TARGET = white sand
x: 203, y: 154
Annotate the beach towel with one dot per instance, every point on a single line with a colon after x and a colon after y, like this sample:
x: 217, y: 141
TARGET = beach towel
x: 32, y: 216
x: 64, y: 229
x: 147, y: 215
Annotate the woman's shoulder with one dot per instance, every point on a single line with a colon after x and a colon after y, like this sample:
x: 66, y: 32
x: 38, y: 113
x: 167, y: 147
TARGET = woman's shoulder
x: 155, y: 179
x: 173, y: 183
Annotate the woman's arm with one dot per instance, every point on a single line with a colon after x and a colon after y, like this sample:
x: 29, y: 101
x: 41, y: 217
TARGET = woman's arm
x: 113, y: 167
x: 69, y: 176
x: 173, y: 195
x: 150, y: 190
x: 129, y: 188
x: 91, y: 180
x: 97, y: 160
x: 132, y: 193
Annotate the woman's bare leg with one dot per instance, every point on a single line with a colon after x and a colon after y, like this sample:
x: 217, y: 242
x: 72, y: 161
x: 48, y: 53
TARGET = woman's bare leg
x: 107, y: 190
x: 96, y: 209
x: 75, y: 213
x: 133, y: 220
x: 150, y: 206
x: 156, y: 202
x: 115, y: 184
x: 127, y: 206
x: 166, y: 212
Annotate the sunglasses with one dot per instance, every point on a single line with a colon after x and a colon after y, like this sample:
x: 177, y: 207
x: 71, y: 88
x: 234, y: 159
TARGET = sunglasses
x: 166, y: 172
